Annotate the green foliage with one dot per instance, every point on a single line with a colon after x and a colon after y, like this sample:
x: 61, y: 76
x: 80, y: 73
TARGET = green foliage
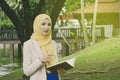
x: 48, y: 7
x: 33, y: 3
x: 72, y: 5
x: 4, y: 20
x: 7, y: 24
x: 12, y: 3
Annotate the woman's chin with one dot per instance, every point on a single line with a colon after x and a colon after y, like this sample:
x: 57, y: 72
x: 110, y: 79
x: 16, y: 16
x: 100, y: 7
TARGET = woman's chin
x: 45, y: 34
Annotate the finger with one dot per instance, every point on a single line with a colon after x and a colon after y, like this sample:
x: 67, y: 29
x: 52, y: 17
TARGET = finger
x: 50, y: 55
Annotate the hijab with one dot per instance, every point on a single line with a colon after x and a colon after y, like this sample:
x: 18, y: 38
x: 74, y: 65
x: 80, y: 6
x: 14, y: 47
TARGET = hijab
x: 45, y: 41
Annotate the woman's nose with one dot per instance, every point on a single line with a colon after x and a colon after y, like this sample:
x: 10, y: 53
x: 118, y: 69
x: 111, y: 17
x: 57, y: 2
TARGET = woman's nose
x: 46, y: 26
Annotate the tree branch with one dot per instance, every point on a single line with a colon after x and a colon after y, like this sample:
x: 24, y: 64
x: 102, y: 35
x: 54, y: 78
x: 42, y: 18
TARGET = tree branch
x: 56, y: 10
x: 12, y: 16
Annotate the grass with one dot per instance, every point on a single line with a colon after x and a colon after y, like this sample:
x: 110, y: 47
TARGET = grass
x: 97, y: 62
x: 16, y: 75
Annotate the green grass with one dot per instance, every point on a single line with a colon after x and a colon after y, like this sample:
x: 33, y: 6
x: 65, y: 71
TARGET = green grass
x: 16, y: 75
x: 97, y: 62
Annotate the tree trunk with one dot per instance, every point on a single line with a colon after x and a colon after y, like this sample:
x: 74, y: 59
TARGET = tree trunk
x: 27, y: 20
x: 83, y: 24
x: 94, y: 23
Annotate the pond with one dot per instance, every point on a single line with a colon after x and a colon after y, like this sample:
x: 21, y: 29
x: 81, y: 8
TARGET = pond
x: 6, y: 67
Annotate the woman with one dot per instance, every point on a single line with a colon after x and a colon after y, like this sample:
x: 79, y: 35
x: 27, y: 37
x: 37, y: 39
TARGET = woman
x: 39, y: 52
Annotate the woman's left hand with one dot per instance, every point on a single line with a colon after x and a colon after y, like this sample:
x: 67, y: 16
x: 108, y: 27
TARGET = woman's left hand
x: 61, y: 71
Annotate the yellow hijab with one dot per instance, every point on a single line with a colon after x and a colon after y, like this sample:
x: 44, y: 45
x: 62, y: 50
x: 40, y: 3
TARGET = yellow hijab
x: 45, y: 42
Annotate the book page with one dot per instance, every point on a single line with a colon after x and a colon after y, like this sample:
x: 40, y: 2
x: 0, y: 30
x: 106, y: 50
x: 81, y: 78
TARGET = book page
x: 66, y: 65
x: 71, y: 62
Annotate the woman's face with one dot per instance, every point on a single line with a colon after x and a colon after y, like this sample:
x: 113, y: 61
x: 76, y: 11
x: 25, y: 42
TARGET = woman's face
x: 45, y: 27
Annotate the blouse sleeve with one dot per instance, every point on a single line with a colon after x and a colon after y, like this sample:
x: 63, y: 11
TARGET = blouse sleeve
x: 29, y: 66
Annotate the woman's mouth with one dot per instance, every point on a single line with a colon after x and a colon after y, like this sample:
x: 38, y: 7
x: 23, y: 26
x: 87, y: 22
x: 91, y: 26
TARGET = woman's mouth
x: 46, y: 31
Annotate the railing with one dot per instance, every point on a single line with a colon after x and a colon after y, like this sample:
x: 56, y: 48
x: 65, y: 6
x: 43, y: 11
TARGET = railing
x: 71, y: 33
x: 101, y: 32
x: 8, y: 35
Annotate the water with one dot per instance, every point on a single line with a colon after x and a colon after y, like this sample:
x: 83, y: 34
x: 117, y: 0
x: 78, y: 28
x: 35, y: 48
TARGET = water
x: 3, y: 71
x: 6, y: 67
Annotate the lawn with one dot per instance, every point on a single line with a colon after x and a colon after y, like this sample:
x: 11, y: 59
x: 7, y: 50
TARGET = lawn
x: 98, y: 62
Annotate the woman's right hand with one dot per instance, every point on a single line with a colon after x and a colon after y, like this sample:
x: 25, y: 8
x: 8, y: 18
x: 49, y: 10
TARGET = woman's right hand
x: 47, y: 58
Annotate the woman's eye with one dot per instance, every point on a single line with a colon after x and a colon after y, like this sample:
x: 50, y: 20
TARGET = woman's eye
x: 43, y: 24
x: 49, y: 24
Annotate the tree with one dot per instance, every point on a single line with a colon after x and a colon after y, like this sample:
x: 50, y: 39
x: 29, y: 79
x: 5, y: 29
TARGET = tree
x: 24, y: 12
x: 83, y: 24
x: 94, y: 23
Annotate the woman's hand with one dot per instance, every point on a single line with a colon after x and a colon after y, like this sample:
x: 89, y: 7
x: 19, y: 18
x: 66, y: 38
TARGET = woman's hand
x: 47, y: 58
x: 61, y: 71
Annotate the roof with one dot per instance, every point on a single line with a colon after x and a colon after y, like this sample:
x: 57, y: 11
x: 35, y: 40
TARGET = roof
x: 106, y: 0
x: 110, y: 7
x: 104, y: 6
x: 67, y: 17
